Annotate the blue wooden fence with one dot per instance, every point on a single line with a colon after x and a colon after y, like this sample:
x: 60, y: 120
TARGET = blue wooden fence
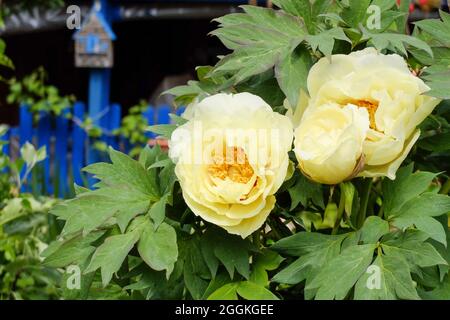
x: 68, y: 144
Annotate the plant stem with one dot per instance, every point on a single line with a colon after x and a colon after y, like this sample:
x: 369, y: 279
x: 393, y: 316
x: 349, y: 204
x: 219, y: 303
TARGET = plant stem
x: 340, y: 212
x: 446, y: 187
x: 367, y: 186
x: 256, y: 239
x: 381, y: 212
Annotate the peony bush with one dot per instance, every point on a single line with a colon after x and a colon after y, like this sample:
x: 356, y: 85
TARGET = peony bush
x: 311, y: 163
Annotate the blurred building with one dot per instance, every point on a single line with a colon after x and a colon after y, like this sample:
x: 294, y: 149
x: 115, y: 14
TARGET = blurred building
x: 158, y: 45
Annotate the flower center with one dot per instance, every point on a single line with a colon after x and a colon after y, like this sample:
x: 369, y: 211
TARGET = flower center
x: 232, y: 163
x: 371, y: 109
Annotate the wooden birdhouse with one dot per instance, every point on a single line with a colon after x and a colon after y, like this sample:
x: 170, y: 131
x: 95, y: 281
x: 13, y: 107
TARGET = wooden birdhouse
x: 94, y: 43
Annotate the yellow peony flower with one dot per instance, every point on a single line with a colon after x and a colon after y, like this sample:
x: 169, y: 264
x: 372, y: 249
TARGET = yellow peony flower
x: 328, y: 143
x: 231, y: 157
x: 393, y: 103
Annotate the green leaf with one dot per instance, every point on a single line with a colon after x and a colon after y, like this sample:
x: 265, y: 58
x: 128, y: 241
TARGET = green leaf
x: 72, y: 251
x: 208, y: 244
x: 251, y: 291
x: 126, y: 190
x: 390, y: 279
x: 437, y: 28
x: 111, y: 254
x: 217, y: 282
x: 265, y: 86
x: 12, y: 210
x: 419, y: 210
x: 437, y: 143
x: 158, y: 211
x: 158, y: 248
x: 303, y: 190
x: 267, y: 260
x: 405, y: 187
x: 231, y: 258
x: 31, y: 155
x: 262, y: 35
x: 396, y: 42
x: 126, y: 171
x: 324, y: 41
x: 437, y: 78
x: 373, y: 229
x: 163, y: 130
x: 411, y: 245
x: 355, y: 12
x: 402, y: 21
x: 300, y: 8
x: 291, y: 74
x: 337, y: 277
x: 195, y: 271
x: 315, y: 250
x: 306, y: 242
x: 304, y: 8
x: 92, y: 209
x: 226, y: 292
x: 442, y: 292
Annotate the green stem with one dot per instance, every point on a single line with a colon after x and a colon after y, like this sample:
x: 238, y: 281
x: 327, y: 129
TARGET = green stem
x: 367, y: 186
x: 446, y: 187
x: 340, y: 212
x: 381, y: 212
x: 256, y: 239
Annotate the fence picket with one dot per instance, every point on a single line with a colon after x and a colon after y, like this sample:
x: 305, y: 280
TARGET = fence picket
x: 62, y: 134
x: 78, y: 143
x: 6, y: 147
x: 149, y: 114
x: 25, y: 134
x: 163, y: 114
x: 43, y: 134
x: 114, y: 123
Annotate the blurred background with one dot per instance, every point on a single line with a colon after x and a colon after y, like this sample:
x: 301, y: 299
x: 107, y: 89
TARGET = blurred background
x: 158, y: 44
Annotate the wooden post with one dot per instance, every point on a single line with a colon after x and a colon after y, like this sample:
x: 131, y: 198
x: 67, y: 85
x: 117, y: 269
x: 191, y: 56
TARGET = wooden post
x: 99, y: 84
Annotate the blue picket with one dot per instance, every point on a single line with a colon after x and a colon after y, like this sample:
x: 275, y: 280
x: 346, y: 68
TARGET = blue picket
x: 114, y: 123
x: 78, y: 143
x: 43, y: 134
x: 163, y: 114
x: 25, y: 134
x: 180, y: 111
x: 5, y: 147
x: 103, y: 122
x: 26, y: 125
x: 62, y: 133
x: 7, y: 138
x: 149, y: 114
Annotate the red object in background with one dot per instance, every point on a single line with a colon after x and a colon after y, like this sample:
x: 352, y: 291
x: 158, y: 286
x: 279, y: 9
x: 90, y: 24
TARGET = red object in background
x: 411, y: 5
x: 163, y: 143
x: 423, y: 2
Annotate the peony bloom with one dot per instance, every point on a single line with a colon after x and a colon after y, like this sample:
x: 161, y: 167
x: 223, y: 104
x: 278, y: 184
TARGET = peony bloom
x: 231, y: 157
x: 394, y: 104
x: 329, y: 142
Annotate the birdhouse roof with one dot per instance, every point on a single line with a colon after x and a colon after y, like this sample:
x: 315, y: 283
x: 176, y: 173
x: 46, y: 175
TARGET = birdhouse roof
x: 94, y: 20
